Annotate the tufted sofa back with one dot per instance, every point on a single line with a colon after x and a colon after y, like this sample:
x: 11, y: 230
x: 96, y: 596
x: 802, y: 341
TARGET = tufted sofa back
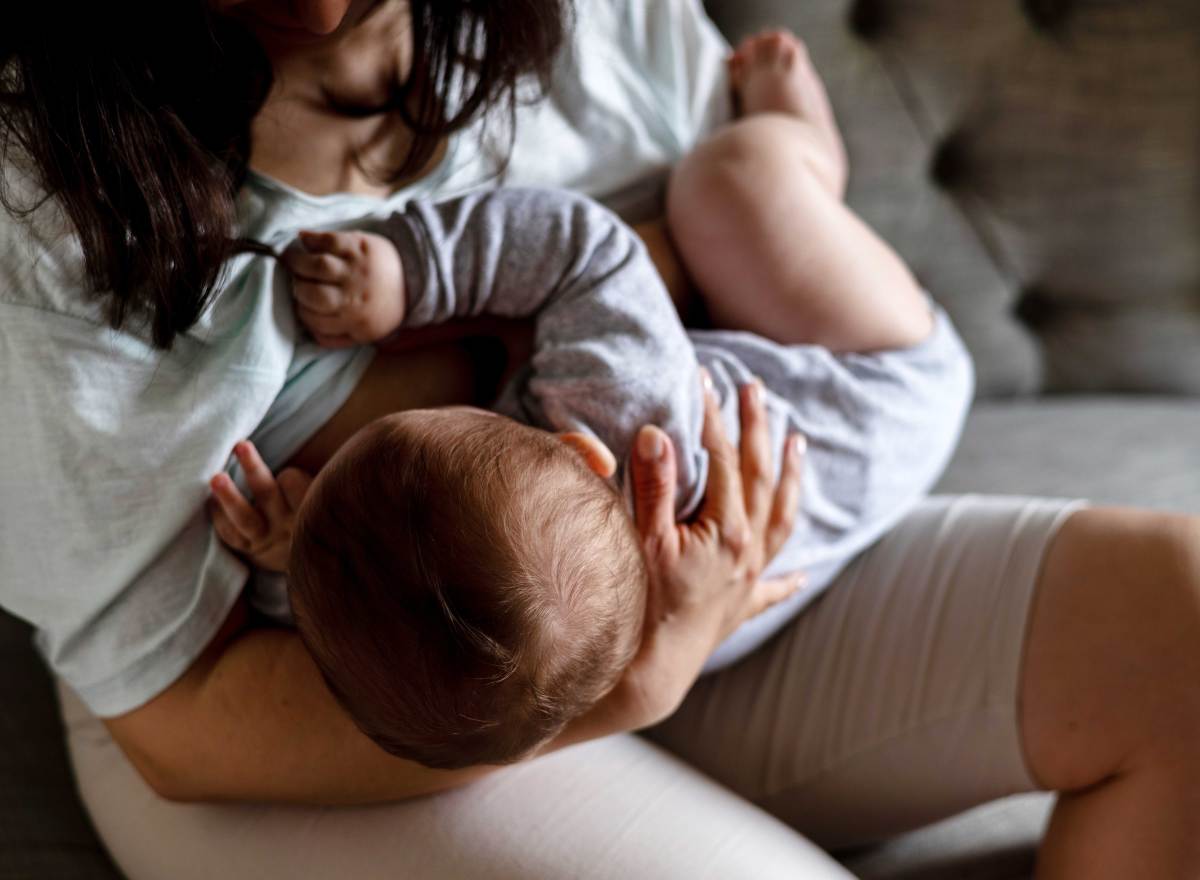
x: 1038, y: 165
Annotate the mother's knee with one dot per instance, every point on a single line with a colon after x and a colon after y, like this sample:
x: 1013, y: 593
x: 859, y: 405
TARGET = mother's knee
x: 1113, y: 653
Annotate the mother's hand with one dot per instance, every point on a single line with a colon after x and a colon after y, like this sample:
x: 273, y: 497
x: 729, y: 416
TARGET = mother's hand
x: 705, y: 574
x: 707, y: 571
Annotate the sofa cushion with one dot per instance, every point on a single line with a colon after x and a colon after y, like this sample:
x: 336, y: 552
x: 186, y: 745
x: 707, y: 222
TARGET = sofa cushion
x: 996, y: 841
x: 1142, y: 451
x: 1036, y: 164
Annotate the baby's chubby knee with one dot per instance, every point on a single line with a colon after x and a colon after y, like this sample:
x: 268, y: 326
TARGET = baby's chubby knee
x: 727, y: 188
x: 746, y: 159
x: 721, y: 165
x: 770, y: 139
x: 716, y: 191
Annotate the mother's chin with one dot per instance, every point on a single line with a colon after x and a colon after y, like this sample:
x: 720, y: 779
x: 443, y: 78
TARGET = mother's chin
x: 301, y: 21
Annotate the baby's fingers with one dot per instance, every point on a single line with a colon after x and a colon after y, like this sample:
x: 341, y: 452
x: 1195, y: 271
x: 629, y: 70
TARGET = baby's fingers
x: 294, y: 484
x: 242, y: 523
x: 343, y: 245
x: 323, y: 325
x: 339, y: 340
x: 317, y: 298
x: 267, y: 497
x: 228, y: 532
x: 315, y: 267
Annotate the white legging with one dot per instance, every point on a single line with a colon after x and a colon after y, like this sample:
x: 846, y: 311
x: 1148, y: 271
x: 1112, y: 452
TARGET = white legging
x: 890, y: 703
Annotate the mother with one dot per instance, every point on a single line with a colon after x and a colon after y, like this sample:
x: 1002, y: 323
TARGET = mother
x: 877, y: 709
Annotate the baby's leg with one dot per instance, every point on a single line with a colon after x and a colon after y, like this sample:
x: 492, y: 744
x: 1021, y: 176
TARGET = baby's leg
x: 757, y: 216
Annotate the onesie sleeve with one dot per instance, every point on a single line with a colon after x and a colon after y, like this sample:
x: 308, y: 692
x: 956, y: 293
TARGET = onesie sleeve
x: 610, y: 353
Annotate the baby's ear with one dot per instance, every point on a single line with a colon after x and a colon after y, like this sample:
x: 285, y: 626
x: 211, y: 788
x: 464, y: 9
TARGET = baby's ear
x: 595, y: 454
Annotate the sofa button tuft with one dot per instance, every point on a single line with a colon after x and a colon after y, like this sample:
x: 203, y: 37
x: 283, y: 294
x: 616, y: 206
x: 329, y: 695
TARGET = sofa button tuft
x: 1048, y: 15
x: 869, y: 18
x: 949, y: 166
x: 1034, y: 307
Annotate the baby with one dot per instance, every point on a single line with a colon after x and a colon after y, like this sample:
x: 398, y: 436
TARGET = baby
x: 468, y: 582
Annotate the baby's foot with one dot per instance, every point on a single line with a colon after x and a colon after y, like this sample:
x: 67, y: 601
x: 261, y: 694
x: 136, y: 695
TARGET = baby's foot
x: 772, y: 73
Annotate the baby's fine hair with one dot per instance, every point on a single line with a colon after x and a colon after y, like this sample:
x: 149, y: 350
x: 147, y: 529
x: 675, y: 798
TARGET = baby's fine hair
x: 466, y: 586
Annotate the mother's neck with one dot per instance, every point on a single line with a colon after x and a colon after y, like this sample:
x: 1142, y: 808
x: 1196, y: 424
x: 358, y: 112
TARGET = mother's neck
x: 299, y: 139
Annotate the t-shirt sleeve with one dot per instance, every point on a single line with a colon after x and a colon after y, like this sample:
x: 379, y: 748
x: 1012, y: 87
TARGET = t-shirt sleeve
x: 108, y: 443
x: 610, y: 353
x: 681, y: 54
x: 637, y: 86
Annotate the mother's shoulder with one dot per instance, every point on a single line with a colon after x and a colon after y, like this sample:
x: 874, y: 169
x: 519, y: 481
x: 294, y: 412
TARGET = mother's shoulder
x: 41, y: 261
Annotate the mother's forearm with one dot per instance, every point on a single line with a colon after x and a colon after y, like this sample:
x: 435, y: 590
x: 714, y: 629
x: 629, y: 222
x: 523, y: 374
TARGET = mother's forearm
x: 252, y: 720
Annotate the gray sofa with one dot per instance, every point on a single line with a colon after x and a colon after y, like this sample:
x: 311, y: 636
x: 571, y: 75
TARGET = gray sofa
x: 1037, y: 164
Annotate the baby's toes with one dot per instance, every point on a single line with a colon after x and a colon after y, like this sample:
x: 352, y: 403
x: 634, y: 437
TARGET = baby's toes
x: 752, y: 50
x: 787, y: 57
x: 771, y: 45
x: 775, y: 40
x: 737, y: 71
x: 799, y: 49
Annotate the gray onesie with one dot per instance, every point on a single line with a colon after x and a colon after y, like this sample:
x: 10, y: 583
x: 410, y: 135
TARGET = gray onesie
x: 611, y: 355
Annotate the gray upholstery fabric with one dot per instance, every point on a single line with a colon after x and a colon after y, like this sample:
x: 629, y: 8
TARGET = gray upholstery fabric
x: 1140, y: 451
x: 993, y: 842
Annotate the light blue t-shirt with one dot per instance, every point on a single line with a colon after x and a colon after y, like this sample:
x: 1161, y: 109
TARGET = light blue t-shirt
x: 108, y: 443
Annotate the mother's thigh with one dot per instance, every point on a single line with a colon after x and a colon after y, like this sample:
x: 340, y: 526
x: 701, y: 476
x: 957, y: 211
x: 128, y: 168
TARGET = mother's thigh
x: 892, y: 701
x: 615, y: 808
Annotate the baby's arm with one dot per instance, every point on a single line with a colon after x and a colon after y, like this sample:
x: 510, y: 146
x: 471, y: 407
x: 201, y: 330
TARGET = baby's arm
x: 260, y: 532
x: 610, y: 353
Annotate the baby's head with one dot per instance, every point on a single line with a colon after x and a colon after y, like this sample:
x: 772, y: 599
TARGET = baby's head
x: 466, y: 584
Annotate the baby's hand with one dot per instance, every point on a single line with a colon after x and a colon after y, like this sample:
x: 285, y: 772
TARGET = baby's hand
x: 261, y: 532
x: 348, y: 286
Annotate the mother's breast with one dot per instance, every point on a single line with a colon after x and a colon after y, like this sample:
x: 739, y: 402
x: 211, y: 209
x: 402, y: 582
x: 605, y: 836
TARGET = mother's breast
x: 442, y: 373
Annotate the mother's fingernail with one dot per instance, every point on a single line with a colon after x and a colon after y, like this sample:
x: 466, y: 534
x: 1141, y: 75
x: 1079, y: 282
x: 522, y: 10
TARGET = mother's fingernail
x: 706, y: 380
x: 799, y: 443
x: 755, y: 392
x: 649, y: 444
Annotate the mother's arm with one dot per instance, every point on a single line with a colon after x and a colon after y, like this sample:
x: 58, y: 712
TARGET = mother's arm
x: 253, y: 720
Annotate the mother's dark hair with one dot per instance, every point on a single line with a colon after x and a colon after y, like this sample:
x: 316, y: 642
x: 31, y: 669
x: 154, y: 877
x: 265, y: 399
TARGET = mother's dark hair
x: 136, y: 118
